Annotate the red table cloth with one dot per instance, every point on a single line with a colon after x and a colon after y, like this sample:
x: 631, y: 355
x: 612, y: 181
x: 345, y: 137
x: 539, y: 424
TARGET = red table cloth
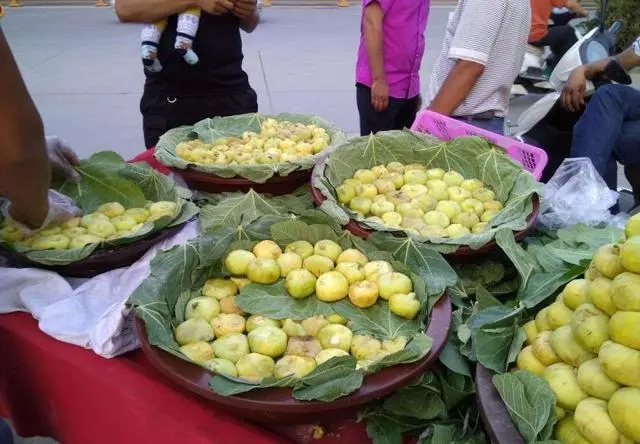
x: 51, y: 388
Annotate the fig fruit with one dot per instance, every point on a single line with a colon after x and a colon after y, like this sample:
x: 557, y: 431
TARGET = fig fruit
x: 198, y: 352
x: 202, y: 308
x: 302, y: 248
x: 237, y: 262
x: 332, y: 286
x: 363, y: 294
x: 335, y: 336
x: 231, y: 347
x: 263, y: 271
x: 300, y: 283
x: 193, y: 330
x: 268, y: 340
x: 255, y: 367
x: 298, y: 366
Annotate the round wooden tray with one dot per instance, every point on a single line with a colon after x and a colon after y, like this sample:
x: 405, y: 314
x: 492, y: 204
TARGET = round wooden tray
x: 462, y: 254
x: 277, y: 185
x: 100, y: 261
x: 495, y: 415
x: 276, y: 405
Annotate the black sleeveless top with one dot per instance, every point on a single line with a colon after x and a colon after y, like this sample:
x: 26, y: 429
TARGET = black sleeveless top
x: 219, y: 70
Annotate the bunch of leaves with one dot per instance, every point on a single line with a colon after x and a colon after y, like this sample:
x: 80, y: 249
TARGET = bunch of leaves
x: 180, y: 272
x: 106, y: 177
x: 487, y: 328
x: 241, y: 209
x: 472, y: 157
x: 530, y: 403
x: 209, y: 130
x: 438, y: 407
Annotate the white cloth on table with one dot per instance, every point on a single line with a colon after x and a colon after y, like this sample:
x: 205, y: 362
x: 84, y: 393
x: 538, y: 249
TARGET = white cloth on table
x: 90, y: 313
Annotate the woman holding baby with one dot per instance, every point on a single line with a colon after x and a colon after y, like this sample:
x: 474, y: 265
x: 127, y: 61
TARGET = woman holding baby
x: 192, y: 58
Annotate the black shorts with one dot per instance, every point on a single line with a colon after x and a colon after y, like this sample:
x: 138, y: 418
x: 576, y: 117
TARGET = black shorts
x: 160, y: 112
x: 399, y: 115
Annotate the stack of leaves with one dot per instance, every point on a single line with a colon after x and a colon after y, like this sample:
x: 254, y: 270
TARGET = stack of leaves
x: 176, y: 275
x: 106, y: 177
x: 210, y: 130
x: 470, y: 156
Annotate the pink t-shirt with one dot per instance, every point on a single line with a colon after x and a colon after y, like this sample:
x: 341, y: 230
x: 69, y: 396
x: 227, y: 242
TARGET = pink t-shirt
x: 404, y: 25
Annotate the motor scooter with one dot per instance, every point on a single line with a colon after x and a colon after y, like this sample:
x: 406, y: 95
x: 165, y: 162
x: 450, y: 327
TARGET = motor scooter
x: 538, y: 63
x: 546, y: 123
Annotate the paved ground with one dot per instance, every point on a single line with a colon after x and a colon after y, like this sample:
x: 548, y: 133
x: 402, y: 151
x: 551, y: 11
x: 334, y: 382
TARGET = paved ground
x: 83, y: 69
x: 84, y: 72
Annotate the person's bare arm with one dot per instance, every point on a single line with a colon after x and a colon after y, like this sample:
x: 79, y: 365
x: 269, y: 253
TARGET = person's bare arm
x: 573, y: 91
x: 25, y: 173
x: 374, y: 42
x: 460, y: 81
x: 147, y: 11
x: 576, y: 7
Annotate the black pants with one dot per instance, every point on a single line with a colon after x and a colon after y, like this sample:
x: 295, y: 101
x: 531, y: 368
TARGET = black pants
x: 559, y: 38
x: 160, y: 112
x: 399, y: 115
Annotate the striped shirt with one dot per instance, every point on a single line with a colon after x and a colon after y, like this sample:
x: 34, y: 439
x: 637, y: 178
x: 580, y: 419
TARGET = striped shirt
x: 490, y: 32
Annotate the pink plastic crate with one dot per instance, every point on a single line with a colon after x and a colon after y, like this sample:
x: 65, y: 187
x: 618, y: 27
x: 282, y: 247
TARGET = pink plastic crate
x: 532, y: 158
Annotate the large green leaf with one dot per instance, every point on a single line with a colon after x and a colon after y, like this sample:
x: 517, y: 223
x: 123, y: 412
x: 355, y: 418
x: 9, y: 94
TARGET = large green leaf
x: 99, y: 184
x: 530, y: 402
x: 471, y: 156
x: 274, y: 302
x: 106, y: 177
x: 211, y: 129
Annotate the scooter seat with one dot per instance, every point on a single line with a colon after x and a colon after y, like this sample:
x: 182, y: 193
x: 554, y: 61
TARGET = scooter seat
x: 539, y: 52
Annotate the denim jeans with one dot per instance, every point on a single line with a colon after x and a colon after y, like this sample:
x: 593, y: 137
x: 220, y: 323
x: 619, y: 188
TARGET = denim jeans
x: 495, y: 124
x: 609, y: 131
x: 6, y: 435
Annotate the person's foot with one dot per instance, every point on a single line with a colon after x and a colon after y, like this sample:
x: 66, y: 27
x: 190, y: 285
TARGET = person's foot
x: 184, y: 47
x: 150, y: 59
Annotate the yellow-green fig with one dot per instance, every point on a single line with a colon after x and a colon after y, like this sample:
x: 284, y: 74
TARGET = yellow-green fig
x: 593, y: 422
x: 327, y: 248
x: 221, y: 366
x: 526, y: 360
x: 202, y: 308
x: 231, y: 347
x: 564, y: 384
x: 590, y: 327
x: 288, y: 262
x: 263, y: 271
x: 620, y: 363
x: 595, y: 382
x: 607, y: 261
x: 302, y: 248
x: 352, y: 255
x: 237, y: 262
x: 568, y: 349
x: 293, y: 365
x: 332, y: 286
x: 307, y: 346
x: 363, y: 294
x: 631, y: 255
x: 624, y: 328
x: 313, y: 325
x: 329, y: 353
x: 193, y: 330
x: 219, y: 288
x: 318, y: 265
x: 599, y: 293
x: 227, y: 324
x: 198, y: 351
x: 268, y: 340
x: 335, y: 336
x: 255, y: 367
x: 625, y: 292
x: 255, y: 321
x: 624, y: 410
x: 300, y: 283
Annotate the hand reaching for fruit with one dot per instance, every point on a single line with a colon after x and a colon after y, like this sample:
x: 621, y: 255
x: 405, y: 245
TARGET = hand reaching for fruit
x: 62, y: 158
x: 61, y: 209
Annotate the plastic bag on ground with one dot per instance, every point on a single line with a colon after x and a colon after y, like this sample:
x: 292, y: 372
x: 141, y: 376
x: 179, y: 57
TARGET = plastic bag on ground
x: 576, y: 194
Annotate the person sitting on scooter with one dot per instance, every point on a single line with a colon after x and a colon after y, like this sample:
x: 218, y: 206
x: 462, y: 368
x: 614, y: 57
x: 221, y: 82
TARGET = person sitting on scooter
x: 559, y: 38
x: 609, y: 129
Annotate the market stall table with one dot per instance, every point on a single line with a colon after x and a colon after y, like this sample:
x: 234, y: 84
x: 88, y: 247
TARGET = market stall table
x: 55, y: 389
x: 50, y: 388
